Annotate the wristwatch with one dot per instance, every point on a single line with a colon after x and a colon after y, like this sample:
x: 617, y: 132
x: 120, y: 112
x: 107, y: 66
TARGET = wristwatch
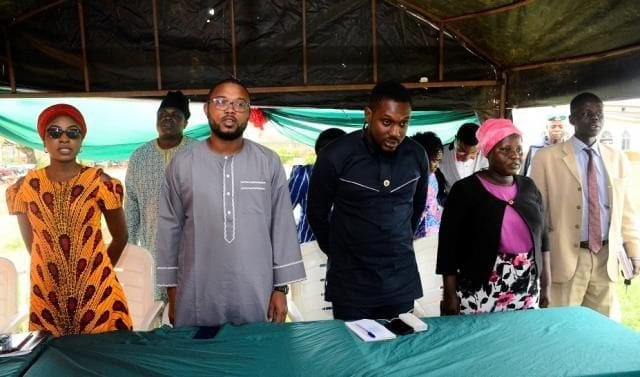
x: 282, y: 288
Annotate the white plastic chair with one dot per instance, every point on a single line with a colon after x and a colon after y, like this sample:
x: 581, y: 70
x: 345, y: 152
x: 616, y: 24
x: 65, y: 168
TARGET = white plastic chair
x: 136, y: 273
x: 307, y: 297
x: 10, y: 315
x: 426, y: 250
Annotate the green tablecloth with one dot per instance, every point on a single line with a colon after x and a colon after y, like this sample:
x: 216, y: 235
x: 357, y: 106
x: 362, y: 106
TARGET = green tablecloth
x: 16, y: 366
x: 552, y: 342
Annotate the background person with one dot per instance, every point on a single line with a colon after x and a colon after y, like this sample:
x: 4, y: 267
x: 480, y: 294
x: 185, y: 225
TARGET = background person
x: 586, y: 188
x: 74, y: 289
x: 430, y: 220
x: 299, y: 184
x: 493, y: 243
x: 366, y: 196
x: 145, y: 173
x: 226, y: 241
x: 555, y: 133
x: 460, y: 158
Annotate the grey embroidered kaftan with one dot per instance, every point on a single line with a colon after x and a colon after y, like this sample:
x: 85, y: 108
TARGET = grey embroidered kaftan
x: 226, y: 234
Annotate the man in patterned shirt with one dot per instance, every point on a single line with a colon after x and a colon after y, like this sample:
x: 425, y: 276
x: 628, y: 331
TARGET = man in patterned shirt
x: 145, y: 173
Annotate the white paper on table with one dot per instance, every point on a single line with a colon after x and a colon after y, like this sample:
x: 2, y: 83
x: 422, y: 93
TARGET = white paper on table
x: 369, y: 330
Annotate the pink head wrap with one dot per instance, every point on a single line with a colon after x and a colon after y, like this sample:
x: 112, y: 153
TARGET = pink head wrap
x: 492, y: 131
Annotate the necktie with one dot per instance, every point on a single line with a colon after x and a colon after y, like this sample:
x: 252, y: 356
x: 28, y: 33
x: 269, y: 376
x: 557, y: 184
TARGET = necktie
x: 595, y: 235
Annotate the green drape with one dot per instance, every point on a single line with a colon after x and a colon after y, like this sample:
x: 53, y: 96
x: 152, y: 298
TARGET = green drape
x: 304, y: 125
x: 116, y: 127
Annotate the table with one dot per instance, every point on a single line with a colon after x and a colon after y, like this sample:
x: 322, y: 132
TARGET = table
x: 16, y: 366
x: 550, y: 342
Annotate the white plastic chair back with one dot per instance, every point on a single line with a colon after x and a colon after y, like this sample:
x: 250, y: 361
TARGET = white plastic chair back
x: 10, y: 316
x: 426, y: 250
x: 307, y: 296
x: 136, y: 273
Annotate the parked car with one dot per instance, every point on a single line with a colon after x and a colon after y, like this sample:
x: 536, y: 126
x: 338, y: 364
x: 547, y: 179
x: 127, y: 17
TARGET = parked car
x: 7, y: 175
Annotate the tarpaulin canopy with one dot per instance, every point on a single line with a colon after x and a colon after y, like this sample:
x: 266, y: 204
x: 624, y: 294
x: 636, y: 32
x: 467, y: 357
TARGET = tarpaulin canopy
x: 482, y: 55
x: 117, y: 127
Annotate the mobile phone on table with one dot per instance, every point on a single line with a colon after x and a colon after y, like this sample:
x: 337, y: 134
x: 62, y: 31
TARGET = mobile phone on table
x: 398, y: 327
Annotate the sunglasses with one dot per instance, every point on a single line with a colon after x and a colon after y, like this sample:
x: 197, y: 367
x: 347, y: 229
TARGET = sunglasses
x: 56, y: 133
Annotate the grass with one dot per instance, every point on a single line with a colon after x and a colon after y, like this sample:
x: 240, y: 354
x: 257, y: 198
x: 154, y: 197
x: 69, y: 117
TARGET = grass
x: 630, y: 303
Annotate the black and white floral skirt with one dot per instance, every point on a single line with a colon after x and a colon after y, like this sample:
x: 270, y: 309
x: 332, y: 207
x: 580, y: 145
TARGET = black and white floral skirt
x: 512, y: 285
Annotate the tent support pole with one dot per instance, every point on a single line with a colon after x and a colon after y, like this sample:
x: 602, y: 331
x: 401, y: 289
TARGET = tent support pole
x: 12, y: 75
x: 156, y: 44
x: 234, y: 58
x: 305, y: 74
x: 83, y: 42
x: 503, y: 94
x: 441, y: 53
x: 374, y: 42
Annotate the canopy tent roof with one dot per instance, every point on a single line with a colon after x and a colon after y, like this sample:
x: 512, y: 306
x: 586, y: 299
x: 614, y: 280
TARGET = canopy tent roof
x: 487, y: 55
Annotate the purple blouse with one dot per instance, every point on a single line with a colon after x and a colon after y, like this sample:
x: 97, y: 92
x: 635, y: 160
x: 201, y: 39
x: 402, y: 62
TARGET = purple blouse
x: 515, y: 236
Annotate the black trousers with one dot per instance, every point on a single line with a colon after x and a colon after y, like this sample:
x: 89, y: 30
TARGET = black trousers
x: 352, y: 313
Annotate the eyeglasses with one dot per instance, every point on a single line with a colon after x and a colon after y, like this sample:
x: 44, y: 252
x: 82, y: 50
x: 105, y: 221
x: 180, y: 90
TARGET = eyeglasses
x: 222, y: 103
x: 56, y: 133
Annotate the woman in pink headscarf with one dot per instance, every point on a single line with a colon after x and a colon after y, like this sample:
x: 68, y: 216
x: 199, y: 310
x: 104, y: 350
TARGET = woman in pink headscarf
x: 493, y: 246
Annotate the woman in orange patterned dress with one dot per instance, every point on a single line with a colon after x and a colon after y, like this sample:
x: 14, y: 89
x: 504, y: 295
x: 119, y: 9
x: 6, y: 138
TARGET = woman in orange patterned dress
x: 74, y: 289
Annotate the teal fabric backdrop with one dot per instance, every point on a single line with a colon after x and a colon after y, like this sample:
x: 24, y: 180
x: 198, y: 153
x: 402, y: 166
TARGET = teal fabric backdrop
x: 304, y: 125
x: 116, y: 127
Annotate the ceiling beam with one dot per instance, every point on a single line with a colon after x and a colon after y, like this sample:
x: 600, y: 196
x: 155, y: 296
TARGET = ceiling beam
x: 577, y: 59
x: 25, y: 16
x: 487, y: 12
x: 473, y: 48
x: 256, y: 90
x: 456, y: 33
x: 424, y: 13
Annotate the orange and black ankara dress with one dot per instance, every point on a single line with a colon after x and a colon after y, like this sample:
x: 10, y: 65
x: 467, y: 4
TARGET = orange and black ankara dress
x: 74, y: 289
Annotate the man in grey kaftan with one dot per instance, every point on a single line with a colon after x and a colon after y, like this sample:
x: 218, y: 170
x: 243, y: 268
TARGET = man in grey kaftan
x: 226, y: 234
